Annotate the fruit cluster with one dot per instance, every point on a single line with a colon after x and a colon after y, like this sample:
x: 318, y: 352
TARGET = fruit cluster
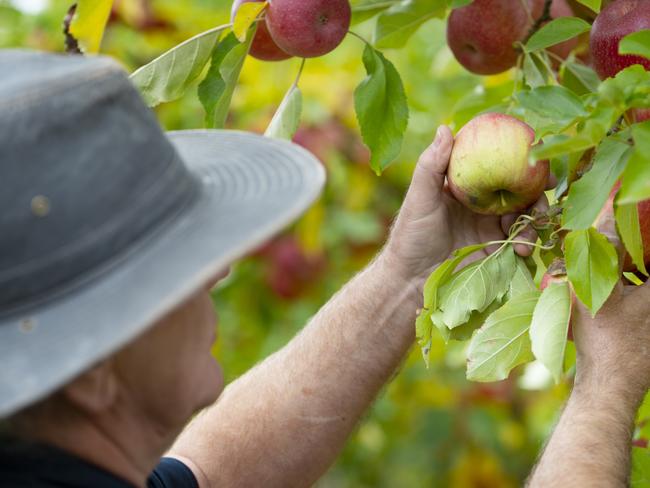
x: 489, y: 170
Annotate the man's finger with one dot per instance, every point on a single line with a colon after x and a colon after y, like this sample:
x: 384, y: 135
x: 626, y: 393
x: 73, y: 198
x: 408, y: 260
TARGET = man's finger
x: 552, y: 182
x: 429, y: 175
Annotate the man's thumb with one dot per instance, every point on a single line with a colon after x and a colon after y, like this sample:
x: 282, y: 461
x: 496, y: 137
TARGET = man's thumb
x: 429, y: 175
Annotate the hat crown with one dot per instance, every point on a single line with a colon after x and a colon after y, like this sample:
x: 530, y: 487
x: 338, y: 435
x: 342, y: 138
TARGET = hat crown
x: 86, y: 173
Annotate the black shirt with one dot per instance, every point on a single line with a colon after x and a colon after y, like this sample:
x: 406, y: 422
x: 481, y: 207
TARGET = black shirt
x: 37, y: 466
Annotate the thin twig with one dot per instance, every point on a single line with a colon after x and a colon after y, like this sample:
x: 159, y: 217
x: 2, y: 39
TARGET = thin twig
x: 545, y: 17
x: 71, y: 43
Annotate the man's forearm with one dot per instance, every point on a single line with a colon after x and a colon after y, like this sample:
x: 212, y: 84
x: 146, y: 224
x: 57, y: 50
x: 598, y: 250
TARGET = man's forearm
x: 284, y: 422
x: 591, y: 443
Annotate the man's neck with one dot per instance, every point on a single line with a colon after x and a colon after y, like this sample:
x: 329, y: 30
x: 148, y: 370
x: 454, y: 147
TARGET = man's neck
x: 124, y: 447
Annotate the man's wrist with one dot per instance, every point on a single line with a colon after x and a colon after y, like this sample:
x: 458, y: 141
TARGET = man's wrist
x: 609, y: 390
x: 398, y: 277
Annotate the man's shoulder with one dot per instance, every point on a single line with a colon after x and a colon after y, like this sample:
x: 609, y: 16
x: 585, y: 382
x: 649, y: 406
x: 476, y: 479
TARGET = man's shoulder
x: 171, y: 472
x: 41, y: 466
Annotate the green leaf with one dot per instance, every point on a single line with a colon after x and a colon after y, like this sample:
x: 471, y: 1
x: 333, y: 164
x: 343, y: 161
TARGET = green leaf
x: 636, y: 43
x: 550, y: 326
x: 167, y: 77
x: 476, y: 286
x: 476, y: 320
x: 632, y: 278
x: 397, y: 24
x: 436, y: 320
x: 592, y: 266
x: 459, y: 3
x: 522, y: 282
x: 579, y: 78
x: 640, y: 468
x: 592, y: 131
x: 629, y: 228
x: 629, y: 84
x: 555, y: 32
x: 287, y: 118
x: 246, y: 15
x: 423, y: 333
x: 550, y: 109
x: 537, y: 71
x: 588, y: 195
x: 89, y: 23
x: 442, y: 273
x: 365, y: 10
x: 636, y: 180
x: 381, y: 108
x: 503, y: 341
x: 592, y: 4
x: 215, y: 91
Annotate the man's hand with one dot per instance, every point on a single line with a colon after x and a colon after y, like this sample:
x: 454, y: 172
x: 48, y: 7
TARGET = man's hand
x: 592, y: 442
x: 613, y: 348
x: 432, y: 224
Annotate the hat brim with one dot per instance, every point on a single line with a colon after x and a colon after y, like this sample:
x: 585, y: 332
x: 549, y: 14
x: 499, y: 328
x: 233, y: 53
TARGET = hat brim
x: 252, y: 187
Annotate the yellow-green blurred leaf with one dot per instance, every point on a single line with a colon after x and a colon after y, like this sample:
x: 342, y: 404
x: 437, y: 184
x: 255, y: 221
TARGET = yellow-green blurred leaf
x: 89, y: 23
x: 246, y: 15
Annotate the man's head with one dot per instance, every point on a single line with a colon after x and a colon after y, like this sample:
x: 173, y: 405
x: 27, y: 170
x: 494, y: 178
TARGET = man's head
x: 158, y: 381
x: 113, y: 232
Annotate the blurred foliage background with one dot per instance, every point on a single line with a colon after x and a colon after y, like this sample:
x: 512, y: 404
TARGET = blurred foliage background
x: 428, y: 428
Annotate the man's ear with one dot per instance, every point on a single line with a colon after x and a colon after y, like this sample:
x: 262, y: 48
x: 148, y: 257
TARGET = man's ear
x: 95, y: 390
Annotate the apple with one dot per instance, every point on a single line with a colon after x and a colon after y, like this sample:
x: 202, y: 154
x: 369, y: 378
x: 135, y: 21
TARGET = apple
x: 308, y: 28
x: 482, y: 35
x: 614, y: 22
x: 489, y: 170
x: 263, y: 46
x: 639, y: 114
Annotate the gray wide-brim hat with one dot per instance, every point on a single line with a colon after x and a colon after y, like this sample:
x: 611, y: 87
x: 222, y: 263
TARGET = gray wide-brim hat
x: 107, y: 223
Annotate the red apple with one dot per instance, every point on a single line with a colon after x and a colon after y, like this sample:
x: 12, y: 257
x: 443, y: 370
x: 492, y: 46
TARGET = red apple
x: 639, y: 114
x: 489, y: 171
x: 263, y: 46
x: 619, y: 19
x: 482, y: 34
x: 308, y: 28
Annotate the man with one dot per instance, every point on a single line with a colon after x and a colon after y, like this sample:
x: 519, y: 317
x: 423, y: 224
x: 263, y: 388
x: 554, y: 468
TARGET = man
x: 111, y: 240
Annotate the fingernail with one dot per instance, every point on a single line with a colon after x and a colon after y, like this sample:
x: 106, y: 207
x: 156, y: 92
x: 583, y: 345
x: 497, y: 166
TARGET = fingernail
x: 438, y: 138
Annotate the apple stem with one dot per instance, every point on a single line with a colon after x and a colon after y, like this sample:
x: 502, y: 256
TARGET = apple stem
x: 526, y: 243
x: 295, y: 82
x: 359, y: 37
x: 503, y: 198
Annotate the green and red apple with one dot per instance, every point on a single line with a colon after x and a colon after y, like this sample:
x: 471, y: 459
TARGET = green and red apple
x: 489, y: 170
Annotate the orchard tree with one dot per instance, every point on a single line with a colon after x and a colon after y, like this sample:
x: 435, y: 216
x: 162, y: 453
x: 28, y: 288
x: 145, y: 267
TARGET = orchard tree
x: 579, y: 111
